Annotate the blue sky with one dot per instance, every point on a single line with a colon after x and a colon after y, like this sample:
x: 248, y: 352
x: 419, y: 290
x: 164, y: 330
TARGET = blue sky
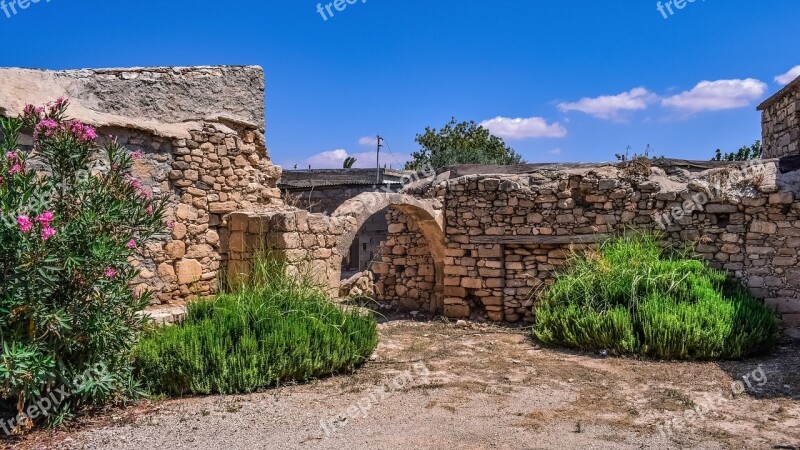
x: 587, y: 78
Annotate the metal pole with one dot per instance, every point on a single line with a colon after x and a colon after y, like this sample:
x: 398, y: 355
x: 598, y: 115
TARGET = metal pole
x: 378, y: 156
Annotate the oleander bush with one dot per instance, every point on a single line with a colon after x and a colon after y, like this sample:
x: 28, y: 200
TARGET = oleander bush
x: 71, y: 216
x: 273, y: 329
x: 633, y: 297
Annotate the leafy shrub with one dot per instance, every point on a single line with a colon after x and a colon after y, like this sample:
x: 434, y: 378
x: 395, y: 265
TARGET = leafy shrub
x: 745, y: 153
x: 631, y: 298
x: 70, y: 218
x: 271, y: 329
x: 461, y: 143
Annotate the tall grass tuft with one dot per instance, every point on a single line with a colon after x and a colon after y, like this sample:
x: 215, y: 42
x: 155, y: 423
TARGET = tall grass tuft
x: 631, y: 297
x: 270, y: 330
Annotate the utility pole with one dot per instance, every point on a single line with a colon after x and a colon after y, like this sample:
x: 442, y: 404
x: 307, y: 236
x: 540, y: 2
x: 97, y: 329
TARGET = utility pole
x: 378, y: 156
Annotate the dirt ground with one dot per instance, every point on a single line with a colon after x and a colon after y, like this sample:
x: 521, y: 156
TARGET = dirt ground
x: 434, y: 384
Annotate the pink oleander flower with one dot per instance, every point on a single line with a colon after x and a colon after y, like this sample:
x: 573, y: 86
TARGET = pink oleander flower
x: 110, y: 272
x: 48, y: 126
x: 47, y: 233
x: 60, y: 103
x: 170, y: 225
x: 32, y: 113
x: 12, y: 156
x: 24, y: 223
x: 136, y: 183
x: 45, y: 218
x: 131, y: 244
x: 149, y: 208
x: 137, y: 154
x: 82, y: 132
x: 16, y: 168
x: 146, y: 194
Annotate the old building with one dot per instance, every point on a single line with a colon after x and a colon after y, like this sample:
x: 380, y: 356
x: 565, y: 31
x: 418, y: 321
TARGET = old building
x: 780, y: 122
x: 200, y: 131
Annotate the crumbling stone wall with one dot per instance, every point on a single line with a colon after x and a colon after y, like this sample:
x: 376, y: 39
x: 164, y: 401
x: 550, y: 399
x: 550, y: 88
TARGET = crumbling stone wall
x: 780, y: 122
x: 217, y: 171
x: 406, y: 271
x: 200, y: 131
x: 307, y: 242
x: 508, y: 234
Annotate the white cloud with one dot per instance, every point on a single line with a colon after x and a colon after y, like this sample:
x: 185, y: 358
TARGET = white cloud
x: 717, y: 95
x: 334, y: 159
x: 610, y: 106
x: 368, y: 141
x: 789, y: 76
x: 555, y: 151
x: 516, y: 129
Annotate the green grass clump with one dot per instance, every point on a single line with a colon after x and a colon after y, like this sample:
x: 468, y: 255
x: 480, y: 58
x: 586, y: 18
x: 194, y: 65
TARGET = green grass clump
x: 272, y: 329
x: 632, y: 298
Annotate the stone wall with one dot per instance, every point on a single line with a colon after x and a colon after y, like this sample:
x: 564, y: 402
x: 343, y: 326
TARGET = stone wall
x: 200, y: 131
x: 471, y: 242
x: 508, y: 234
x: 406, y: 271
x: 780, y: 122
x: 307, y: 242
x: 218, y: 171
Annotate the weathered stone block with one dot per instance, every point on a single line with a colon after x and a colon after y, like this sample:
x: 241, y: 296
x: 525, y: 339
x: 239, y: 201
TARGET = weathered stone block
x: 188, y: 271
x: 471, y: 283
x: 176, y: 249
x: 460, y: 311
x: 763, y: 227
x: 455, y: 291
x: 784, y: 261
x: 166, y: 272
x: 781, y: 198
x: 784, y: 305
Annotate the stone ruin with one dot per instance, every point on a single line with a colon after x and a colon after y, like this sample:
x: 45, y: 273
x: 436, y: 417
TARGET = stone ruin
x: 201, y: 131
x: 474, y: 241
x: 509, y: 230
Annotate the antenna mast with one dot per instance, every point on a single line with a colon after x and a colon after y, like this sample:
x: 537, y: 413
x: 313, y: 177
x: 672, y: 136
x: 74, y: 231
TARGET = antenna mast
x: 378, y: 156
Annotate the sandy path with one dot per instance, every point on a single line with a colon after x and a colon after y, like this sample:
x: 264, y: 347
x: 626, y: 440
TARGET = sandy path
x: 437, y: 385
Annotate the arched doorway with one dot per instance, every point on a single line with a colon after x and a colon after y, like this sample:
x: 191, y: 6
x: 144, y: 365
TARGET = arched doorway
x: 415, y: 224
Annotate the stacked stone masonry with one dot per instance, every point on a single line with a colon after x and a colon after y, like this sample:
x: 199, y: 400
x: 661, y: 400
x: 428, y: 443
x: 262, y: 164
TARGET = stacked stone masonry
x: 406, y: 270
x: 471, y: 242
x: 508, y: 235
x: 780, y: 122
x: 216, y: 172
x: 307, y: 242
x: 201, y: 133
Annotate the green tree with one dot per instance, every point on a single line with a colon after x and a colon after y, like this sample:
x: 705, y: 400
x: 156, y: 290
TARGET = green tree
x: 348, y: 162
x: 744, y: 154
x: 461, y: 143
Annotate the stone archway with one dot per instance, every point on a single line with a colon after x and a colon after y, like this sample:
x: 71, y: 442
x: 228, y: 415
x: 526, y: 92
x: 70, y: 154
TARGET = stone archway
x: 426, y: 213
